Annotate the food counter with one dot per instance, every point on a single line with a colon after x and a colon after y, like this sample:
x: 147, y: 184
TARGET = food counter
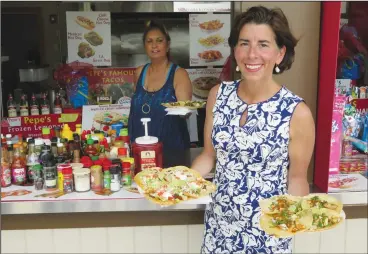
x: 123, y: 208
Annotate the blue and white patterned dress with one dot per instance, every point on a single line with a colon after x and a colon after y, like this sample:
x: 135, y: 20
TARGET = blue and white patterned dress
x: 252, y: 163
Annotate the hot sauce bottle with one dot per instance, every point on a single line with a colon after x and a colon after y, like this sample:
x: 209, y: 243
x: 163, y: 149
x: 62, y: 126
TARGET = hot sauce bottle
x: 18, y: 167
x: 147, y: 150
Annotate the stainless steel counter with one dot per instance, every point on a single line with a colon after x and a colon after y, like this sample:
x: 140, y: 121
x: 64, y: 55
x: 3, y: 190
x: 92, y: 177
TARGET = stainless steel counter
x: 140, y: 204
x: 131, y: 205
x: 80, y: 206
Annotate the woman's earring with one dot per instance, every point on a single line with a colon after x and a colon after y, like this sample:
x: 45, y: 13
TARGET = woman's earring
x: 237, y: 68
x: 277, y: 69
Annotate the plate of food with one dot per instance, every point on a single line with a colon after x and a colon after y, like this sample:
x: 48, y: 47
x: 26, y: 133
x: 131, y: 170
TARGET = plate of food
x: 185, y: 104
x: 211, y: 41
x: 210, y: 56
x: 286, y: 215
x: 173, y: 185
x: 211, y: 26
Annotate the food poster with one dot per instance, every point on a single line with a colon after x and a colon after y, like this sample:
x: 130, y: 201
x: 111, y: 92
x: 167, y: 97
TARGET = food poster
x: 89, y: 37
x: 208, y: 39
x: 101, y: 117
x: 202, y: 81
x: 347, y: 182
x: 115, y: 82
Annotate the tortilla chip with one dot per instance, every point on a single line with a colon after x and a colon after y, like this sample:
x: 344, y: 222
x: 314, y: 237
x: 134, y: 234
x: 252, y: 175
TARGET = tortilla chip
x: 333, y: 203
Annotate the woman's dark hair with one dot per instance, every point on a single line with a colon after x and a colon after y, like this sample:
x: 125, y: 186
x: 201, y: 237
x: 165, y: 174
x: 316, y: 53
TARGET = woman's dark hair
x: 155, y: 25
x: 278, y: 22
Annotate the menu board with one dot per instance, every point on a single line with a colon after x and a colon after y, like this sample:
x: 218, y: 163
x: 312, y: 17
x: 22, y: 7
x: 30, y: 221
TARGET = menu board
x: 89, y: 37
x: 208, y: 39
x: 202, y: 6
x: 202, y: 81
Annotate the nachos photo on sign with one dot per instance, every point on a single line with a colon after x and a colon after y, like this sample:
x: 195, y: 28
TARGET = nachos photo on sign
x: 210, y: 55
x: 286, y: 215
x: 172, y: 185
x: 211, y: 41
x: 203, y: 85
x: 211, y: 26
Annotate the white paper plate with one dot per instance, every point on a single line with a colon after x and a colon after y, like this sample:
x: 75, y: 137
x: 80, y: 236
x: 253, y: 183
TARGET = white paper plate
x: 179, y: 111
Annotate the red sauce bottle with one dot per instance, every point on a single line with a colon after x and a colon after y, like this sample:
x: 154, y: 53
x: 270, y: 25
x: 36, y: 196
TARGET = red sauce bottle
x: 146, y: 150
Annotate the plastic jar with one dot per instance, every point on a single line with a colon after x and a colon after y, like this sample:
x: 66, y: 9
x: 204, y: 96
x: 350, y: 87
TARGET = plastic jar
x: 76, y: 165
x: 96, y: 178
x: 82, y: 179
x: 132, y: 165
x: 68, y: 184
x: 115, y: 178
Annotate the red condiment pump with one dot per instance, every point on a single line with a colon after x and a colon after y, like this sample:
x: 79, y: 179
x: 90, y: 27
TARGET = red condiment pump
x: 147, y: 150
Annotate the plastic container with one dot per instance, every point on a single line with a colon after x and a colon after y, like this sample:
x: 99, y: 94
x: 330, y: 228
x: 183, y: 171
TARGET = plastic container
x: 76, y: 165
x: 68, y: 179
x: 96, y: 178
x: 147, y: 150
x: 115, y: 178
x: 82, y: 179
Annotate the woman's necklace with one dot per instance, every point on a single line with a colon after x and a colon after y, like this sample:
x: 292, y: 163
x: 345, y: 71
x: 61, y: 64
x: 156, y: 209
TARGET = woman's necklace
x: 146, y: 107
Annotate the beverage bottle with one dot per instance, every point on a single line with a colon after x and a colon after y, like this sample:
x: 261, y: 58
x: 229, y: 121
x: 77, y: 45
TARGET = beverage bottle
x: 57, y: 104
x: 12, y: 108
x: 35, y: 110
x: 45, y: 106
x: 23, y: 105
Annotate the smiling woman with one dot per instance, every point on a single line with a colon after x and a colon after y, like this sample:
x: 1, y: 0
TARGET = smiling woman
x: 157, y: 82
x: 260, y: 133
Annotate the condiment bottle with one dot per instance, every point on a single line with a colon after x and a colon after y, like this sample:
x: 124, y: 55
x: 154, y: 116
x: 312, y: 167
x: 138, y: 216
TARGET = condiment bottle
x: 96, y: 178
x: 68, y: 179
x: 60, y: 176
x: 90, y: 149
x: 115, y: 178
x: 78, y: 129
x: 66, y: 132
x: 147, y: 150
x: 107, y: 176
x: 122, y: 153
x: 5, y: 167
x: 38, y: 177
x: 47, y: 161
x: 18, y: 167
x: 54, y: 150
x: 32, y: 162
x: 126, y: 178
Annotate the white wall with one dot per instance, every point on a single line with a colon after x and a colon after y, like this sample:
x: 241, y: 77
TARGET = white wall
x: 350, y: 237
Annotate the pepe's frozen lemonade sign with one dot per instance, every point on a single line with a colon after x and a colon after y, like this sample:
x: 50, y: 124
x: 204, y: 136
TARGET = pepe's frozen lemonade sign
x: 113, y: 83
x: 31, y: 126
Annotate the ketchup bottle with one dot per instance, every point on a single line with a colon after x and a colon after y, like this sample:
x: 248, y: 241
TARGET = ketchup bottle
x: 147, y: 150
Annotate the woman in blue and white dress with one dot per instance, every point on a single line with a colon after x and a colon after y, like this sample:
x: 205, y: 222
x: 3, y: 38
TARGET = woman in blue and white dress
x: 260, y: 134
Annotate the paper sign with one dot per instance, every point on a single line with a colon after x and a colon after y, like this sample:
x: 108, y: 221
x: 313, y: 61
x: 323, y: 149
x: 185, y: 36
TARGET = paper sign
x: 101, y: 117
x: 89, y: 37
x: 208, y: 39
